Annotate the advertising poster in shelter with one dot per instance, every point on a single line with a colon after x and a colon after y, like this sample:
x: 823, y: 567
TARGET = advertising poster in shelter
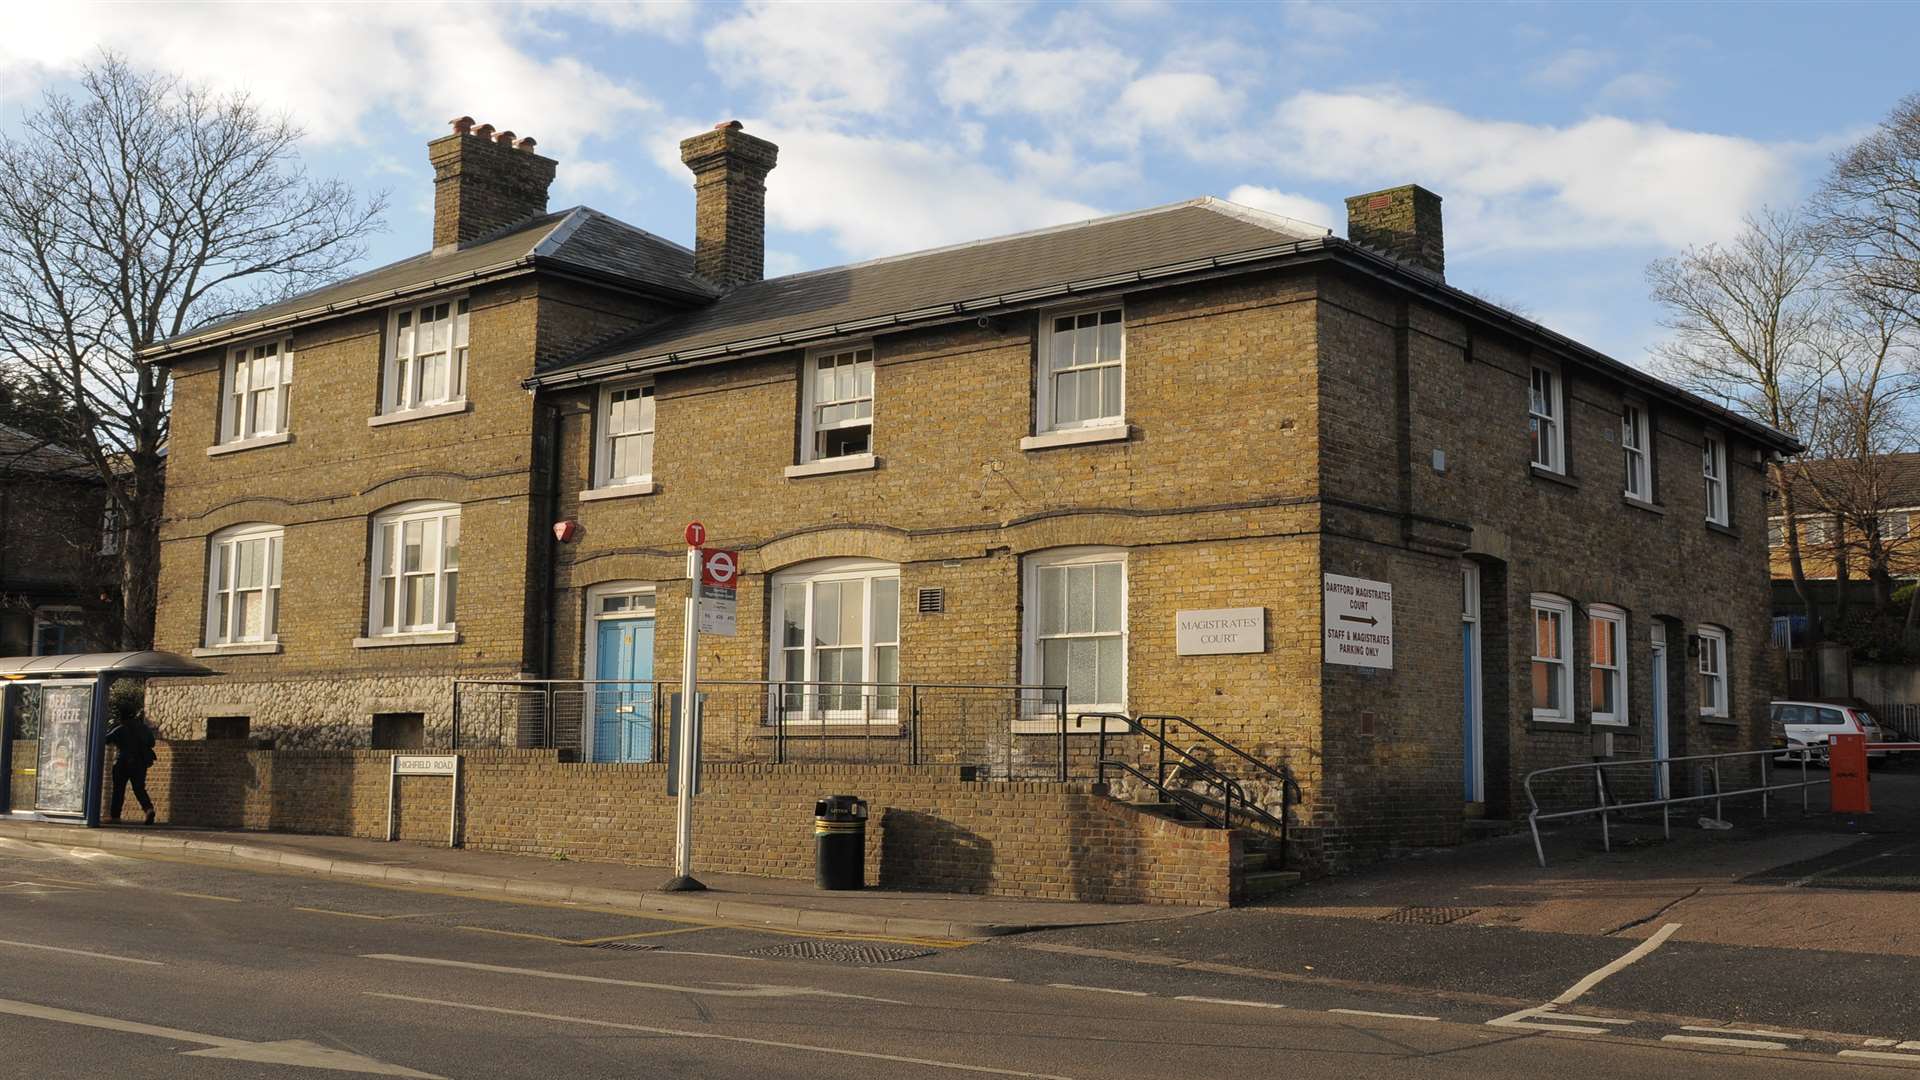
x: 65, y: 717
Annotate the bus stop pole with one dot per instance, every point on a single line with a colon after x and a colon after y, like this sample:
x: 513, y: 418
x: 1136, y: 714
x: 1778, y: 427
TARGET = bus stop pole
x: 688, y: 731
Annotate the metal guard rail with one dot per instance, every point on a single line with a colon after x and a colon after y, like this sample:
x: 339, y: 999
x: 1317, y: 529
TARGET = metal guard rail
x: 1231, y: 789
x: 1289, y: 787
x: 1599, y: 770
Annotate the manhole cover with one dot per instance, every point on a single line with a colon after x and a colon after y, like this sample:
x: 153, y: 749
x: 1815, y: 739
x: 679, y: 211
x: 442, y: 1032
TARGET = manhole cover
x: 624, y: 946
x: 1428, y: 916
x: 842, y: 952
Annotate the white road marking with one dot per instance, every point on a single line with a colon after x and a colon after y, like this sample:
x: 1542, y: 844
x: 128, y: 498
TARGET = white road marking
x: 1881, y: 1055
x: 716, y: 1036
x: 1912, y: 1044
x: 1880, y: 1042
x: 1546, y: 1017
x: 1387, y: 1015
x: 1708, y: 1040
x: 296, y: 1052
x: 1230, y: 1001
x: 1636, y: 953
x: 81, y: 952
x: 943, y: 974
x: 1758, y: 1034
x: 1098, y: 989
x: 742, y: 990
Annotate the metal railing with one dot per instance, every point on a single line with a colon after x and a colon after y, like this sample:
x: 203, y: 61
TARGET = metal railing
x: 1184, y: 778
x: 998, y: 731
x: 1605, y: 806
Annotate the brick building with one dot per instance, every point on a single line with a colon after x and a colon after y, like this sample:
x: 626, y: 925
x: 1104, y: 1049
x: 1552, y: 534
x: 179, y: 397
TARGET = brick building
x: 1024, y: 460
x: 1866, y: 511
x: 58, y: 577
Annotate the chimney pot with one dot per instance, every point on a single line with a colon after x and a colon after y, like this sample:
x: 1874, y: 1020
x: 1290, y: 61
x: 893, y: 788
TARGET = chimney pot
x: 462, y: 124
x: 526, y: 144
x: 483, y: 184
x: 730, y: 170
x: 1401, y: 222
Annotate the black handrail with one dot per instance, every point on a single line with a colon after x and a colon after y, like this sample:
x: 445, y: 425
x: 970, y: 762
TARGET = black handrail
x: 1200, y: 807
x: 1206, y: 770
x: 1290, y: 788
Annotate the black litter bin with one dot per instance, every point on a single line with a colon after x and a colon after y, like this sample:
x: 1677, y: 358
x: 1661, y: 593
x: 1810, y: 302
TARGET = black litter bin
x: 840, y: 842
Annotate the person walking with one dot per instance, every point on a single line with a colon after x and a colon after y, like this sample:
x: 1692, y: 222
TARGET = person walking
x: 133, y: 742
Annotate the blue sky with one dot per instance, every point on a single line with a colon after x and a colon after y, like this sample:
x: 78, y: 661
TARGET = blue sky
x: 1571, y: 142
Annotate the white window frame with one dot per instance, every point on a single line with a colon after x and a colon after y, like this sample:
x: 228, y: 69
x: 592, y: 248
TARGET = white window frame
x: 1895, y: 525
x: 222, y: 547
x: 400, y: 376
x: 1615, y: 619
x: 110, y: 528
x: 604, y: 436
x: 1713, y: 474
x: 387, y: 546
x: 810, y: 426
x: 1031, y: 642
x: 1712, y: 667
x: 239, y: 396
x: 1561, y: 606
x: 1634, y: 445
x: 69, y: 618
x: 805, y: 708
x: 1777, y: 533
x: 1547, y: 411
x: 1045, y: 376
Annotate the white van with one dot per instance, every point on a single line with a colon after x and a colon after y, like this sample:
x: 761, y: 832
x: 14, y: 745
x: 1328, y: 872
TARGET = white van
x: 1804, y: 727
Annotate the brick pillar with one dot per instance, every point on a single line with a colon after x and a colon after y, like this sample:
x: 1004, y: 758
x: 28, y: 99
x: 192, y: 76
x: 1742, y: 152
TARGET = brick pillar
x: 730, y: 170
x: 1403, y: 222
x: 483, y: 182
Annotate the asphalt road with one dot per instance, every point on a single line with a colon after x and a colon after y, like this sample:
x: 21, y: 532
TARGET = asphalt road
x: 157, y: 968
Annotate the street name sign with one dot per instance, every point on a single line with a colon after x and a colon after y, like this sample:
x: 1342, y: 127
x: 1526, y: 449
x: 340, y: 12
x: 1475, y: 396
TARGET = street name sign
x: 1358, y: 629
x: 423, y: 765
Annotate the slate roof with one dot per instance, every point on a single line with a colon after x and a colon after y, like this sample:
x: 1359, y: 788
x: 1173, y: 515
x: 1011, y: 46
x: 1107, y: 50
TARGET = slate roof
x: 1897, y: 477
x: 835, y: 297
x: 25, y: 454
x: 581, y: 240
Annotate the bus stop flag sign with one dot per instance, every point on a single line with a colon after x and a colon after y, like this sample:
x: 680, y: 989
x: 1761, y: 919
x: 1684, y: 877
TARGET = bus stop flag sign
x: 719, y: 581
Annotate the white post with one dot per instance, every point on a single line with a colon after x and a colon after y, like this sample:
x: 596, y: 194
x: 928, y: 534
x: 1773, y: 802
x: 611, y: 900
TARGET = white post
x: 683, y: 763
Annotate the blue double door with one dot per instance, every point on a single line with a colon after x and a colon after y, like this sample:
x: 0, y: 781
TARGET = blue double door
x: 623, y: 698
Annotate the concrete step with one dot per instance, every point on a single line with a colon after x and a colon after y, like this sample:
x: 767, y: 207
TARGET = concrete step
x: 1263, y: 883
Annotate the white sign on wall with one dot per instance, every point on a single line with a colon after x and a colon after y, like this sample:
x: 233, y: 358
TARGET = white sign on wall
x: 423, y: 765
x: 1221, y: 630
x: 1359, y: 621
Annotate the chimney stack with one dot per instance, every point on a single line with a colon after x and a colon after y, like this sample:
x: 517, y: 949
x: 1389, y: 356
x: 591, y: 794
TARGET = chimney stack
x: 1402, y: 222
x: 483, y: 182
x: 730, y: 170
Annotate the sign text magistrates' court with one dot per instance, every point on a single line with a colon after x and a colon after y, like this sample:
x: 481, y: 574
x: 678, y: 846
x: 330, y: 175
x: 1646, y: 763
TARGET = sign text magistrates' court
x: 1359, y: 621
x: 1223, y: 630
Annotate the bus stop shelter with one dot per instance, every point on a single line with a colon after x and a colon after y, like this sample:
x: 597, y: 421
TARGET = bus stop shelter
x: 54, y: 708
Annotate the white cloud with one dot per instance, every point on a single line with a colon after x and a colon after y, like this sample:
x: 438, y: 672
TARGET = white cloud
x: 1326, y: 19
x: 350, y: 65
x: 1298, y: 207
x: 1598, y: 183
x: 1636, y: 86
x: 1572, y: 67
x: 1184, y: 104
x: 992, y: 79
x: 668, y: 18
x: 873, y: 195
x: 835, y: 59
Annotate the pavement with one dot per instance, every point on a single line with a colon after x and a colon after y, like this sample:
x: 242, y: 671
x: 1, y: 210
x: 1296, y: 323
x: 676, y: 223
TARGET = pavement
x: 734, y: 898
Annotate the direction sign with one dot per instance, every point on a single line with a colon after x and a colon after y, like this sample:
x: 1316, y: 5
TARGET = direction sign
x: 1359, y: 621
x: 696, y: 534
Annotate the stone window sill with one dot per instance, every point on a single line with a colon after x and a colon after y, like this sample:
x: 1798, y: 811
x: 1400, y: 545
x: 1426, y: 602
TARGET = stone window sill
x: 1553, y: 477
x: 1714, y: 526
x: 386, y: 641
x: 826, y: 466
x: 1642, y: 504
x: 1074, y: 727
x: 619, y: 491
x: 243, y: 648
x: 234, y: 447
x: 1079, y: 436
x: 445, y: 408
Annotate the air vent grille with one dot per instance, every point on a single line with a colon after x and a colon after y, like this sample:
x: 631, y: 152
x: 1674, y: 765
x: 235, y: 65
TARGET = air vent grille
x: 933, y: 601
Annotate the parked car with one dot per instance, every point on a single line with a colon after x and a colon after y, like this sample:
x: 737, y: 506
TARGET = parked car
x: 1803, y: 728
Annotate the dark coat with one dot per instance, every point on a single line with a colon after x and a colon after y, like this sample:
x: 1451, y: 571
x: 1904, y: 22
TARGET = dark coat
x: 134, y: 741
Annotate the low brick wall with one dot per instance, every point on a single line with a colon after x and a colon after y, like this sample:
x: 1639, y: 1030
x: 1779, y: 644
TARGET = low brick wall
x: 929, y: 829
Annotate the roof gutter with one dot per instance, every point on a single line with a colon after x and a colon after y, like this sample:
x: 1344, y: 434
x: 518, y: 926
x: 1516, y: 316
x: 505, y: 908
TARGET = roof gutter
x: 526, y: 264
x: 1363, y: 259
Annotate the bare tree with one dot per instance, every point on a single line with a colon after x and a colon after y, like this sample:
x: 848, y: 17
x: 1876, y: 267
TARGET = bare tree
x: 1870, y: 209
x: 140, y: 209
x: 1746, y: 317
